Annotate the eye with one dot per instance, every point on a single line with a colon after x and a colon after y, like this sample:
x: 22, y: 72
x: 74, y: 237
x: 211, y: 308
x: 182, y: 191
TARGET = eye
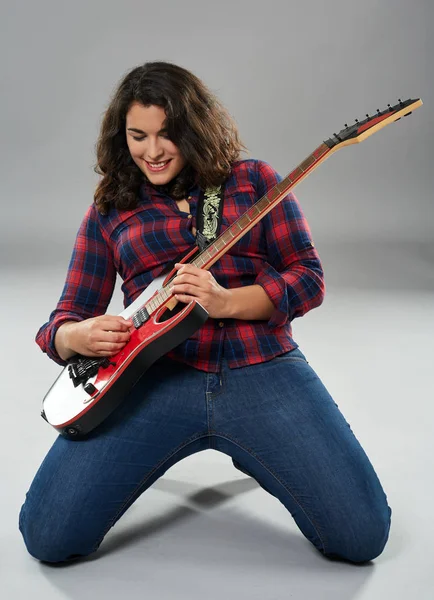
x: 141, y: 138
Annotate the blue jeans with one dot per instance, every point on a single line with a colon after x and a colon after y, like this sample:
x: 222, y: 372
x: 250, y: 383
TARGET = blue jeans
x: 276, y: 419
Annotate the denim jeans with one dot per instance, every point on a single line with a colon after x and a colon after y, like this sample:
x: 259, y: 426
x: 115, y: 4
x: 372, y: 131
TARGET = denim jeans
x: 276, y: 419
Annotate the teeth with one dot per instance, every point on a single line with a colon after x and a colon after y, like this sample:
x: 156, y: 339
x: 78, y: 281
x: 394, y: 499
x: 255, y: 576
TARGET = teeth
x: 158, y: 165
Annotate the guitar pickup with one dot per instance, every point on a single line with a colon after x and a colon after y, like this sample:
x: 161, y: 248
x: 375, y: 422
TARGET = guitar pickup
x: 140, y: 317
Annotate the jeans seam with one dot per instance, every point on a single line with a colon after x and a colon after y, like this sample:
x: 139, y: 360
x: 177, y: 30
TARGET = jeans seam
x: 208, y: 417
x: 254, y: 455
x: 143, y: 482
x: 290, y: 358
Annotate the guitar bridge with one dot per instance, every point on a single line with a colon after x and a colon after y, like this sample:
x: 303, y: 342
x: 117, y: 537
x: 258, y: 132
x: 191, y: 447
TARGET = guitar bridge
x: 83, y: 368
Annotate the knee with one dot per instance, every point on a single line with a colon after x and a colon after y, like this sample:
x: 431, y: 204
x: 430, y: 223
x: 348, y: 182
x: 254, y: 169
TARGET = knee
x: 363, y: 538
x: 45, y: 539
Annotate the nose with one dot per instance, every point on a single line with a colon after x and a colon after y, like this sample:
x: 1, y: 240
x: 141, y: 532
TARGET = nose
x: 154, y: 149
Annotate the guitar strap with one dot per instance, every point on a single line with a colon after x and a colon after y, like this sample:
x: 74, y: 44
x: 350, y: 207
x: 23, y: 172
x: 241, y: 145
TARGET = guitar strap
x: 209, y: 215
x: 208, y: 222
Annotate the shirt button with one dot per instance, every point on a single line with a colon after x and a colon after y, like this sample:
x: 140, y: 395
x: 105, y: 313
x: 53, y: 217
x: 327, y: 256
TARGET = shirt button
x: 221, y: 324
x: 189, y: 216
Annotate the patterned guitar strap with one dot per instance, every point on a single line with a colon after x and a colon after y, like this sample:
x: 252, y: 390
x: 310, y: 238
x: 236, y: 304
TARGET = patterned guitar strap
x: 209, y: 216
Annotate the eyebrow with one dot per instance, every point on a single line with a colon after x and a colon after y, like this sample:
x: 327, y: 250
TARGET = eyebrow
x: 164, y: 130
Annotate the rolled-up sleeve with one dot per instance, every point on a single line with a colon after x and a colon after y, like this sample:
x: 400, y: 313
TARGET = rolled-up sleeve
x: 89, y: 284
x: 293, y: 277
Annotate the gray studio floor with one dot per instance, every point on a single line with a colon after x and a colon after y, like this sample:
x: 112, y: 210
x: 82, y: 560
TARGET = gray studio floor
x: 207, y: 531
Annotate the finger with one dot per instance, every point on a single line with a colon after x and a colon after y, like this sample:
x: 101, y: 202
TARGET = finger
x: 115, y: 337
x: 124, y: 324
x: 105, y: 353
x: 116, y: 324
x: 191, y: 290
x: 184, y: 298
x: 108, y: 347
x: 186, y: 278
x: 188, y: 268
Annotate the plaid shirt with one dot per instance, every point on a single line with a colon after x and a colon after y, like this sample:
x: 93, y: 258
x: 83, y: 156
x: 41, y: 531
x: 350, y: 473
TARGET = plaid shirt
x: 277, y: 254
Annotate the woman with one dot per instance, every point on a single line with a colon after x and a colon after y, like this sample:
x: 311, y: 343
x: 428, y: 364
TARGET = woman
x: 240, y: 384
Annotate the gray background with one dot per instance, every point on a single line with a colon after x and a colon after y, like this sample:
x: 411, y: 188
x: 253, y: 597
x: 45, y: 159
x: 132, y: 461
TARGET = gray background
x: 291, y: 73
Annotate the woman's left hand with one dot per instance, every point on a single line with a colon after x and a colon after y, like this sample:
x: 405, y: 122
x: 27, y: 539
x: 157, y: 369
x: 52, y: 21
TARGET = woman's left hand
x: 192, y: 283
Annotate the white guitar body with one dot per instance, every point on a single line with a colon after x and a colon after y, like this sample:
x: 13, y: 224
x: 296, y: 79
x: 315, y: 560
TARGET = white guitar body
x: 63, y: 401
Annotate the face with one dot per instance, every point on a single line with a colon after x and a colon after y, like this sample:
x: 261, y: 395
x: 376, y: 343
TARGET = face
x: 151, y: 149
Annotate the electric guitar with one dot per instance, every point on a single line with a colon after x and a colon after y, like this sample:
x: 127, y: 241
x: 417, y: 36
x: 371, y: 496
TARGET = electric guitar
x: 88, y: 389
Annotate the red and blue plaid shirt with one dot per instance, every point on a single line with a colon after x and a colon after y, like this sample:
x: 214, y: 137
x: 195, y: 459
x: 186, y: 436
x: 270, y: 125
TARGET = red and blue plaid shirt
x: 278, y: 254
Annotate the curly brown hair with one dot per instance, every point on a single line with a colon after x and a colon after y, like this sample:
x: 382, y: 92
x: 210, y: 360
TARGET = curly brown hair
x: 196, y: 122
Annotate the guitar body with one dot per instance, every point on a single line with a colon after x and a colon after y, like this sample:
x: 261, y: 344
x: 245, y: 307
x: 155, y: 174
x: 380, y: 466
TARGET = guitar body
x: 74, y: 412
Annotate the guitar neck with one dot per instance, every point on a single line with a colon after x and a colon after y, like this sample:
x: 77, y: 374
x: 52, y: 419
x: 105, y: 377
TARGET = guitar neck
x: 251, y: 217
x: 350, y: 135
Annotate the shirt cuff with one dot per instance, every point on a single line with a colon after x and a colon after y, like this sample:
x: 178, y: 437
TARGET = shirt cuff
x: 45, y: 337
x: 274, y: 286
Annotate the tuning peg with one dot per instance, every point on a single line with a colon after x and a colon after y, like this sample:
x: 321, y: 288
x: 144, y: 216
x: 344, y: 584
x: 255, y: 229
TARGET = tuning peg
x: 400, y: 101
x: 346, y: 124
x: 378, y: 110
x: 367, y: 115
x: 356, y: 120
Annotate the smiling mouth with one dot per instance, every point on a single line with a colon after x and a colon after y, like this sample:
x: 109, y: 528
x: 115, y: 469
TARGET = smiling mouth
x: 157, y: 167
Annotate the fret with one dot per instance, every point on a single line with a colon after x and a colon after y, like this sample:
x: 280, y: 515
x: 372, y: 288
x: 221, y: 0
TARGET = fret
x: 281, y: 189
x: 264, y: 202
x: 261, y: 205
x: 272, y: 195
x: 308, y: 162
x: 207, y: 255
x: 219, y: 244
x: 320, y: 151
x: 255, y: 210
x: 278, y: 188
x: 244, y: 221
x: 295, y: 174
x: 199, y: 261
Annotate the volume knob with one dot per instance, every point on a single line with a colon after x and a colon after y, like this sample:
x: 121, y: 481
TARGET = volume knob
x: 90, y: 389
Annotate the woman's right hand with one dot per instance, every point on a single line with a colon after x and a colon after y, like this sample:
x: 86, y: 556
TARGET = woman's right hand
x: 98, y: 336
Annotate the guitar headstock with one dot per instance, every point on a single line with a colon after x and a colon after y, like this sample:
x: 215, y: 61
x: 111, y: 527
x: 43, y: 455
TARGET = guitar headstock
x: 358, y: 132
